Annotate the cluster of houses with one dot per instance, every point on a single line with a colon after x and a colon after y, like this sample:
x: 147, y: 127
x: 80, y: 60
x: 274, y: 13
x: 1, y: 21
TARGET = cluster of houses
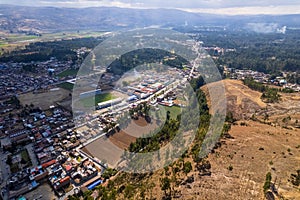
x: 62, y: 174
x: 241, y: 74
x: 55, y: 145
x: 171, y: 99
x: 24, y: 181
x: 260, y: 77
x: 95, y: 125
x: 218, y: 51
x: 294, y: 87
x: 38, y: 126
x: 14, y: 79
x: 149, y: 82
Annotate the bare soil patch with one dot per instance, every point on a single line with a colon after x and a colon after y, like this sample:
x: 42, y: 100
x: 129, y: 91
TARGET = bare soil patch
x: 104, y: 150
x: 140, y: 122
x: 45, y: 99
x: 140, y: 127
x: 111, y: 148
x: 122, y: 139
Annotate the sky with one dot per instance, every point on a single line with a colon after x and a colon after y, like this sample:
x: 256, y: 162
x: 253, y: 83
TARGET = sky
x: 229, y: 7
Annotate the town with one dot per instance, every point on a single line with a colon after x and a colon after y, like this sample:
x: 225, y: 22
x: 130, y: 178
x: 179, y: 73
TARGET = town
x: 45, y: 143
x: 41, y: 143
x: 54, y: 134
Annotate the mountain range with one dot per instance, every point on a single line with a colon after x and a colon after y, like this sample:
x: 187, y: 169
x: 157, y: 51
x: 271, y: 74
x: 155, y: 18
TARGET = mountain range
x: 49, y: 19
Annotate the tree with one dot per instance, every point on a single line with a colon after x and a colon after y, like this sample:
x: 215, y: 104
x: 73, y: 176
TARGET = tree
x: 296, y: 178
x: 187, y: 167
x: 23, y: 161
x: 165, y: 184
x: 88, y: 198
x: 125, y: 83
x: 226, y: 128
x: 168, y: 116
x: 101, y: 191
x: 73, y: 197
x: 267, y: 184
x: 86, y: 194
x: 196, y: 83
x: 109, y: 172
x: 230, y: 118
x: 129, y: 191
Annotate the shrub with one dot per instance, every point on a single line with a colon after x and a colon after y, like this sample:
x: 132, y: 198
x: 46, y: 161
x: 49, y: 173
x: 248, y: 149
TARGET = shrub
x: 267, y: 184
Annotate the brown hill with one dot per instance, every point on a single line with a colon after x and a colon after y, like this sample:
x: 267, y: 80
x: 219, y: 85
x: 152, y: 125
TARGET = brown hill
x: 241, y: 100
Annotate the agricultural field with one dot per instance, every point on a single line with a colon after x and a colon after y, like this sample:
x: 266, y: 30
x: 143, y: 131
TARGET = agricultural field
x: 103, y: 149
x: 9, y: 42
x: 44, y: 191
x: 122, y: 139
x: 111, y: 149
x: 139, y: 128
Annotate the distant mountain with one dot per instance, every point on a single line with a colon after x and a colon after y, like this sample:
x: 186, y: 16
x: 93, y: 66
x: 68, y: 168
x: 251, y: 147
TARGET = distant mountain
x: 24, y: 19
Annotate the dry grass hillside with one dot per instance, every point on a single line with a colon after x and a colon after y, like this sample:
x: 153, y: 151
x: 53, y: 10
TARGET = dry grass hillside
x: 255, y: 150
x: 241, y: 100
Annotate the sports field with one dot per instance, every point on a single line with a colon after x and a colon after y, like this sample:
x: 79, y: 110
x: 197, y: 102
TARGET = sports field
x: 44, y: 99
x: 94, y: 100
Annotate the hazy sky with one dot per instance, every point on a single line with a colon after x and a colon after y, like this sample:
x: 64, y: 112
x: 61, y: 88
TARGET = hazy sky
x: 209, y: 6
